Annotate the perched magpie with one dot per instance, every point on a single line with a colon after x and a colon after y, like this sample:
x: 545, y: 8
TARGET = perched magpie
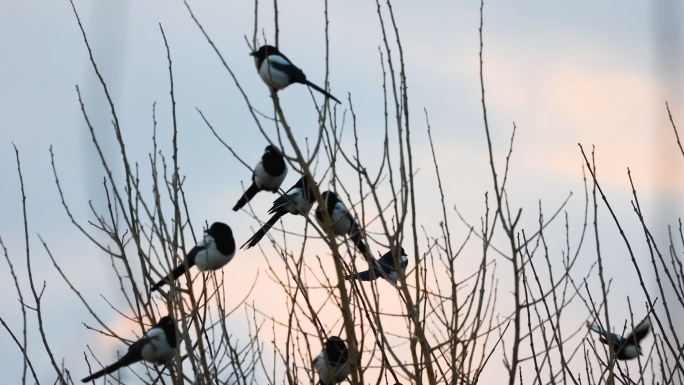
x: 625, y: 348
x: 342, y: 221
x: 158, y: 346
x: 213, y: 252
x: 268, y: 175
x: 336, y: 369
x: 278, y: 72
x: 386, y: 268
x: 298, y: 200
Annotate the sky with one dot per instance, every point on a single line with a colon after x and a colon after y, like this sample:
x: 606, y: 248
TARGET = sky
x: 598, y: 74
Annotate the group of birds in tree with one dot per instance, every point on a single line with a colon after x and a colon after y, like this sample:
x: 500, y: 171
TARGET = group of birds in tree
x: 217, y: 248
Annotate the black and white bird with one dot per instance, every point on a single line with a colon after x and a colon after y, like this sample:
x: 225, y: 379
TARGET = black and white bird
x: 343, y: 223
x: 278, y: 72
x: 625, y: 348
x: 268, y: 175
x: 298, y: 200
x: 336, y: 369
x: 383, y: 268
x: 212, y: 253
x: 157, y: 346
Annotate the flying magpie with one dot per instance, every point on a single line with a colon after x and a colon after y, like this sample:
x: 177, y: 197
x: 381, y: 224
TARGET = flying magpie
x: 625, y: 348
x: 336, y: 369
x: 384, y: 267
x: 213, y: 252
x: 298, y: 200
x: 157, y: 346
x: 268, y: 175
x: 342, y: 221
x: 278, y: 72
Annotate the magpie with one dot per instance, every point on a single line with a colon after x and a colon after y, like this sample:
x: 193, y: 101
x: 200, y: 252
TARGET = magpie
x: 384, y: 267
x: 157, y: 346
x: 342, y: 221
x: 298, y: 200
x: 625, y: 348
x: 278, y: 72
x: 213, y: 252
x: 336, y: 369
x: 268, y: 175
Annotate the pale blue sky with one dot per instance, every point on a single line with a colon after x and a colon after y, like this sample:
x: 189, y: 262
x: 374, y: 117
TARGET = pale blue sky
x: 595, y: 73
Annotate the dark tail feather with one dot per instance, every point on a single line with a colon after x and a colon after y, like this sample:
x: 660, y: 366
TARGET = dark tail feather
x: 177, y: 272
x: 324, y: 92
x: 247, y: 196
x: 356, y: 238
x: 124, y: 361
x: 251, y: 242
x: 364, y: 276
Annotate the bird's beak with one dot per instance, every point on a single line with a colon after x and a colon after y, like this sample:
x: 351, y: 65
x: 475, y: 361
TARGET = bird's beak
x: 252, y: 54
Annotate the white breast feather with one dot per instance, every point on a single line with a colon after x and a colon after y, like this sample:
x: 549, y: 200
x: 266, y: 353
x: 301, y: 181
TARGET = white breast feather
x: 264, y: 180
x: 271, y: 76
x: 342, y: 222
x: 157, y: 350
x: 339, y: 372
x: 211, y: 258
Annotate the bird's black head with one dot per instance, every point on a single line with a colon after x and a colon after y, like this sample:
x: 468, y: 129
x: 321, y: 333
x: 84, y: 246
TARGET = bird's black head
x: 264, y: 51
x: 330, y: 199
x: 271, y: 149
x: 220, y: 230
x: 336, y: 350
x: 166, y: 322
x: 168, y: 325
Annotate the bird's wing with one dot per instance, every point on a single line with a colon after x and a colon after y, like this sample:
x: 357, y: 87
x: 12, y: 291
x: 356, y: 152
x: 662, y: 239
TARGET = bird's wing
x: 282, y: 64
x: 595, y: 328
x: 138, y: 345
x: 386, y: 262
x: 195, y: 250
x: 641, y: 330
x: 278, y: 203
x: 289, y: 197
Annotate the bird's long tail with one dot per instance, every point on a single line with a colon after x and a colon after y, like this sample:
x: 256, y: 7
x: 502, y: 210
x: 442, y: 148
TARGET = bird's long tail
x: 355, y: 236
x: 319, y: 89
x: 364, y: 276
x: 124, y: 361
x: 247, y: 196
x: 251, y: 242
x: 177, y: 272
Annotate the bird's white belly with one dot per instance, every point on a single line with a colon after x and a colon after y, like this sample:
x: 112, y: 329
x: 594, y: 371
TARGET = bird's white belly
x: 342, y: 224
x: 158, y: 351
x: 334, y: 375
x: 211, y: 259
x: 265, y: 181
x: 273, y: 78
